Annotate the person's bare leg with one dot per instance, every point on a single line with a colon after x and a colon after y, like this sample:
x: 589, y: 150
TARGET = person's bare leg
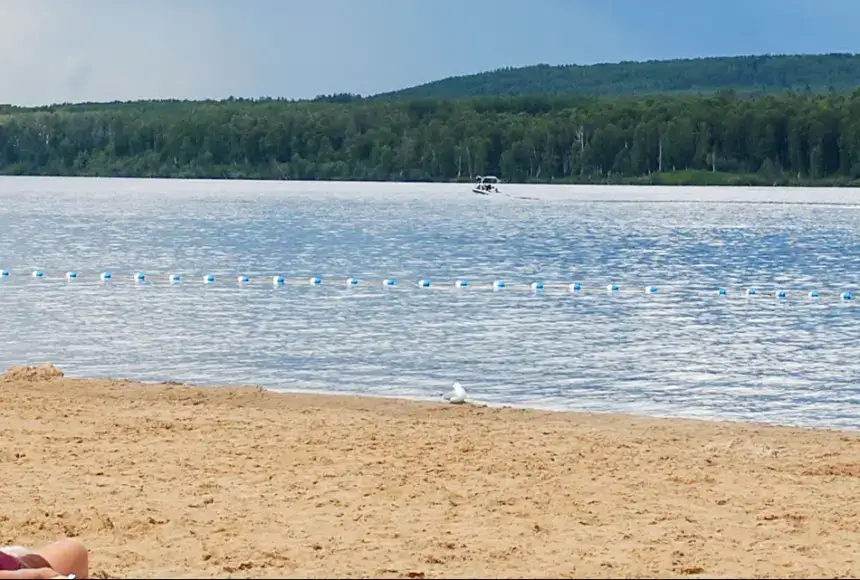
x: 67, y: 557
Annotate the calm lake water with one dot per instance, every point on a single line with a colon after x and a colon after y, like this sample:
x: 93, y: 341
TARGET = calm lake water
x: 684, y: 351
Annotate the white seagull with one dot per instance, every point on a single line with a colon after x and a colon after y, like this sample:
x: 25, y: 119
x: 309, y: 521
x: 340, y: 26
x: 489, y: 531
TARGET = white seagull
x: 457, y: 394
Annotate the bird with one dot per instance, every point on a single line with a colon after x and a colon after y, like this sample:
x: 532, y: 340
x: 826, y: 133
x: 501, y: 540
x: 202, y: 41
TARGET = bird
x: 457, y: 394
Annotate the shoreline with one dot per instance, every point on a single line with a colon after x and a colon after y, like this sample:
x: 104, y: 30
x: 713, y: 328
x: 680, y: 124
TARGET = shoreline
x: 530, y: 408
x: 470, y: 402
x: 180, y: 481
x: 697, y: 180
x: 478, y: 404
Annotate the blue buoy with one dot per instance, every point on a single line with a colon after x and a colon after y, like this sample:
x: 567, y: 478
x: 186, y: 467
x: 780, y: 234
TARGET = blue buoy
x: 315, y: 281
x: 242, y: 279
x: 751, y: 292
x: 846, y: 296
x: 721, y: 291
x: 38, y: 273
x: 352, y: 281
x: 424, y: 283
x: 208, y: 279
x: 139, y: 277
x: 71, y: 275
x: 781, y: 294
x: 651, y: 289
x: 498, y: 284
x: 537, y: 286
x: 174, y: 278
x: 4, y: 273
x: 461, y: 283
x: 814, y: 295
x: 389, y: 282
x: 612, y: 287
x: 105, y: 276
x: 575, y: 287
x: 277, y: 280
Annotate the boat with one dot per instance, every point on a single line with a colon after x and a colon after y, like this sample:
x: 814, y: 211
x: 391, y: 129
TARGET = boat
x: 486, y: 185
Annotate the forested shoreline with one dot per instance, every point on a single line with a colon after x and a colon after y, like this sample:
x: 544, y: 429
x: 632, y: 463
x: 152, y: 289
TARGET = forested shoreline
x: 794, y: 138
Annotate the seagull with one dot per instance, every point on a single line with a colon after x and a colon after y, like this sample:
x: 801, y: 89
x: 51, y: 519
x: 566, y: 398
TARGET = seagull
x: 457, y: 395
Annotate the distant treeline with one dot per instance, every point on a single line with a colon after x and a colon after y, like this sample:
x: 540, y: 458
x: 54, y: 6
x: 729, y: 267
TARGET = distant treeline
x: 722, y: 138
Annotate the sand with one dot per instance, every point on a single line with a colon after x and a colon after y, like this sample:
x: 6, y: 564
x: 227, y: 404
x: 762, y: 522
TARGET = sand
x: 174, y: 481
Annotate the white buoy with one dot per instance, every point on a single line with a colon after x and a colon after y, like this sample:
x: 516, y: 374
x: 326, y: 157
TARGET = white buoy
x: 651, y: 289
x: 352, y: 281
x: 277, y: 280
x: 612, y: 287
x: 38, y: 273
x: 71, y: 275
x: 174, y: 278
x: 424, y: 283
x: 139, y: 277
x: 242, y: 279
x: 457, y: 394
x: 537, y: 286
x: 575, y: 287
x: 389, y: 282
x: 315, y: 281
x: 461, y: 283
x: 105, y: 276
x: 208, y: 279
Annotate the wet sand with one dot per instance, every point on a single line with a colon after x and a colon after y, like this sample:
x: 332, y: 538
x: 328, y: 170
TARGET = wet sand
x: 173, y: 481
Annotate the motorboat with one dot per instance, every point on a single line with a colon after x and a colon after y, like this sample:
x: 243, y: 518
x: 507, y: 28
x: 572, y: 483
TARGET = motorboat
x: 485, y: 185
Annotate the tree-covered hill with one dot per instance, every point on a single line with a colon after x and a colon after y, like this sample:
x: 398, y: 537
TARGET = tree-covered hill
x: 766, y: 74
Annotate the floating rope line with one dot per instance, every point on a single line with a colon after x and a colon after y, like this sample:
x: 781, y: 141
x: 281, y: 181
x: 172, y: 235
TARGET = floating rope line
x: 497, y: 285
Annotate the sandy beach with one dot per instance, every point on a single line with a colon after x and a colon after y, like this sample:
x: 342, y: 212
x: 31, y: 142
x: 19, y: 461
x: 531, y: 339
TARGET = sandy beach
x: 174, y: 481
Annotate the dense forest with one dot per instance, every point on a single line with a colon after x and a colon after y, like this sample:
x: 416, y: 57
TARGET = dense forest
x: 721, y: 138
x: 751, y: 75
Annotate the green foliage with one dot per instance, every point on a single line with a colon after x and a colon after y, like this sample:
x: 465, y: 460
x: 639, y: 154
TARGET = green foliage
x: 718, y: 139
x: 766, y: 74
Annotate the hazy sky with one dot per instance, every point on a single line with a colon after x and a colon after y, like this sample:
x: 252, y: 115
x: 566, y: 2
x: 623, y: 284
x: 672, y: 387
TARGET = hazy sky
x: 76, y: 50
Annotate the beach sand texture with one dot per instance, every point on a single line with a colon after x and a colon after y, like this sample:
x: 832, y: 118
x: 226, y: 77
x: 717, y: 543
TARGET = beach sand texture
x: 174, y: 481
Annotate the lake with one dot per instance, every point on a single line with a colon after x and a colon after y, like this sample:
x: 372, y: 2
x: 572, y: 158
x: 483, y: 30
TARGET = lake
x: 683, y: 351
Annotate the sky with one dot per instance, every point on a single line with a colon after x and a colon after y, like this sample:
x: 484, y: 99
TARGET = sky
x: 55, y: 51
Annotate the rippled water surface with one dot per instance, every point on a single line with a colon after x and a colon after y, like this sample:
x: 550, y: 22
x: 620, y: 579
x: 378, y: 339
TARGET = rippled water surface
x: 683, y: 351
